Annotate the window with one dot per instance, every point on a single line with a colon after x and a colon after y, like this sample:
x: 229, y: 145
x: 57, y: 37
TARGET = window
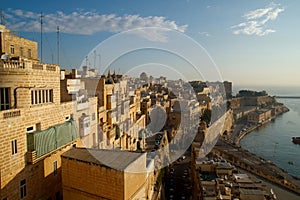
x: 14, y: 147
x: 57, y: 196
x: 41, y: 96
x: 23, y: 188
x: 29, y: 53
x: 12, y: 49
x: 4, y: 98
x: 94, y: 140
x: 50, y: 95
x: 55, y: 168
x: 87, y: 124
x: 93, y: 116
x: 21, y: 51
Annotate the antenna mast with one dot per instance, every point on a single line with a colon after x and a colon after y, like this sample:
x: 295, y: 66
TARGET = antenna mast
x: 58, y: 45
x: 95, y: 59
x: 41, y: 36
x: 2, y: 21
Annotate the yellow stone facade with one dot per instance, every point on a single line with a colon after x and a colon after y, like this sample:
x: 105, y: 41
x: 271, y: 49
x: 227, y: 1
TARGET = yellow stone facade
x: 16, y: 46
x: 24, y: 116
x: 104, y: 182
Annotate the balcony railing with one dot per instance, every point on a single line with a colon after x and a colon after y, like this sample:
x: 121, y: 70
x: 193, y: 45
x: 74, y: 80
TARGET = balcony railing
x: 15, y: 64
x: 11, y: 113
x: 43, y: 143
x: 33, y: 158
x: 37, y: 66
x: 50, y: 68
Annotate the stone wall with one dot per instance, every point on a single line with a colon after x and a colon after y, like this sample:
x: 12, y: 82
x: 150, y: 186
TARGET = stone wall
x: 40, y: 181
x: 8, y: 39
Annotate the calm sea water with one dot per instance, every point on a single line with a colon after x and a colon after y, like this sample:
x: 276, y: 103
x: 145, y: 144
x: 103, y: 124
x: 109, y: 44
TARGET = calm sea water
x: 273, y: 141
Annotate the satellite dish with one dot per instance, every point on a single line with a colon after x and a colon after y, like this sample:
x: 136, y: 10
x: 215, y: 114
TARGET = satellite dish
x: 5, y: 57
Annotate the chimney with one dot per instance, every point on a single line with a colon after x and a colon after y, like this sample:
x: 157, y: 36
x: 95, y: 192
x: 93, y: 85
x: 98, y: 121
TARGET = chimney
x: 74, y: 73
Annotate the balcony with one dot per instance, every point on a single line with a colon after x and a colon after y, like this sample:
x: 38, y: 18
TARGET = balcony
x: 28, y: 65
x: 73, y: 86
x: 43, y: 143
x: 37, y: 66
x: 13, y: 64
x: 82, y: 106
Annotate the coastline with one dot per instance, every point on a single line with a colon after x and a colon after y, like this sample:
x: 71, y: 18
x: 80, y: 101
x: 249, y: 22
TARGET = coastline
x: 254, y: 164
x: 242, y: 158
x: 254, y: 127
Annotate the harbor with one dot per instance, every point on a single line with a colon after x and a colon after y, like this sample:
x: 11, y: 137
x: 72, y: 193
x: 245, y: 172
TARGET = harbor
x: 274, y: 141
x: 266, y: 157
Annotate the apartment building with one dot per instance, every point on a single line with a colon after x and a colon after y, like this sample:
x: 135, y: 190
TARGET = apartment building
x: 260, y: 116
x: 118, y: 110
x: 15, y: 47
x: 37, y: 126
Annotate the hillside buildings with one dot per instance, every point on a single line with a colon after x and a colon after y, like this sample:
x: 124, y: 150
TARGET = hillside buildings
x: 45, y: 112
x: 36, y: 126
x: 77, y: 135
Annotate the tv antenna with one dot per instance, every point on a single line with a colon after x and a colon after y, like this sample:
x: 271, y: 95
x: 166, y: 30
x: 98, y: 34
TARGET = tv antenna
x: 41, y: 21
x: 58, y: 45
x: 2, y: 20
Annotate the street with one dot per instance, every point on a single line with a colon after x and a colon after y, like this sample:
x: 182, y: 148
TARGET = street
x: 177, y: 180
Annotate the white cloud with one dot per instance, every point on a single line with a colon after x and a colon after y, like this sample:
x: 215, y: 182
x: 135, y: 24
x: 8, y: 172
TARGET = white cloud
x: 256, y: 21
x: 90, y: 22
x: 206, y: 34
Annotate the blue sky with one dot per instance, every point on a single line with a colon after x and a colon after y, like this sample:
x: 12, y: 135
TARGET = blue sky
x: 251, y: 42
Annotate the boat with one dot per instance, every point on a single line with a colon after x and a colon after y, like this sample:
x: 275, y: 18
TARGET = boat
x: 291, y: 163
x: 296, y: 140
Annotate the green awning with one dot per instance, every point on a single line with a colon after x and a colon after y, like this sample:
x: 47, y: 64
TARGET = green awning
x: 52, y: 138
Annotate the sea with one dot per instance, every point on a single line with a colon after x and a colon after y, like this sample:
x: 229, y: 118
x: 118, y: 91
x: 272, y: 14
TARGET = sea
x: 273, y: 141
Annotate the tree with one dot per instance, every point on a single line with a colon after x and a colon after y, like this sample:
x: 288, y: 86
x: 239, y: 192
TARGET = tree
x: 206, y: 116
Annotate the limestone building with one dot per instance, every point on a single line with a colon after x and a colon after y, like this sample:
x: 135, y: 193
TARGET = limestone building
x: 108, y: 174
x: 37, y: 127
x: 17, y: 47
x: 118, y: 115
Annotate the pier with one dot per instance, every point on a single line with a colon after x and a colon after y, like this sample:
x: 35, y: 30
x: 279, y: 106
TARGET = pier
x: 288, y: 97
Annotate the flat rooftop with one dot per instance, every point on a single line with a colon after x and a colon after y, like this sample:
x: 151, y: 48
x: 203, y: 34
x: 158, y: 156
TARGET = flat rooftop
x: 115, y: 159
x: 243, y: 109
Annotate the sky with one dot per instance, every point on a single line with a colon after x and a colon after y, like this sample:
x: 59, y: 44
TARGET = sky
x: 253, y: 43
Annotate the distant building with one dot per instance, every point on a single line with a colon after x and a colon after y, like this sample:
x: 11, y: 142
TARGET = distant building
x: 228, y: 89
x: 143, y: 77
x: 260, y: 116
x: 119, y: 117
x: 253, y: 98
x: 16, y: 47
